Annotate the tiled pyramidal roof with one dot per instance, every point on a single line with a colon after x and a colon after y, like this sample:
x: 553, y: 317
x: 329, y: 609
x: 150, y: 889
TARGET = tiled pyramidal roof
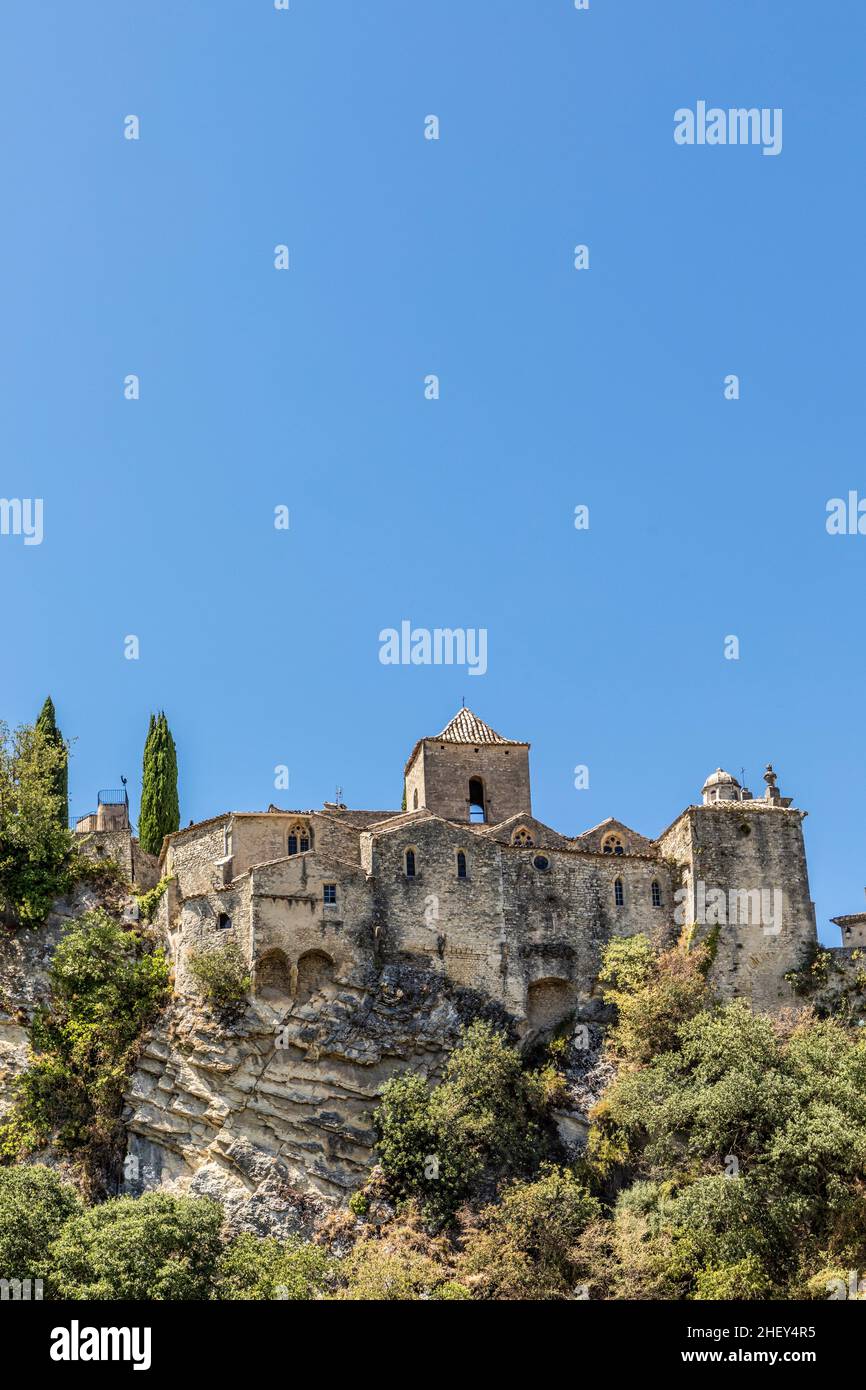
x: 466, y: 727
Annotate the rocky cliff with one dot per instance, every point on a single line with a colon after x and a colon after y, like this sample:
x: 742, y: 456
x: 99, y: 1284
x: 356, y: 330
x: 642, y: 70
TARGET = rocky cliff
x: 273, y: 1113
x: 280, y: 1103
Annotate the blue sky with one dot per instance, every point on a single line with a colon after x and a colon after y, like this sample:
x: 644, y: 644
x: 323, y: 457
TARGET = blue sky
x: 306, y: 388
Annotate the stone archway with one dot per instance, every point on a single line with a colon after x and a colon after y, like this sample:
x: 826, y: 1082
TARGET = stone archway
x: 547, y: 1003
x: 273, y: 974
x: 315, y: 970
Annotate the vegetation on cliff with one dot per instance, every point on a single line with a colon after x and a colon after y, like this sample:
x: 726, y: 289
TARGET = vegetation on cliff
x: 725, y: 1161
x: 107, y: 984
x: 223, y: 981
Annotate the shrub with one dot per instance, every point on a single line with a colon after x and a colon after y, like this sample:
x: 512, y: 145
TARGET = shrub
x: 654, y: 992
x: 254, y: 1268
x: 222, y: 977
x: 747, y: 1138
x: 524, y: 1247
x: 402, y: 1262
x: 107, y: 986
x: 148, y: 902
x: 145, y: 1249
x: 485, y: 1118
x: 34, y: 1206
x: 105, y: 875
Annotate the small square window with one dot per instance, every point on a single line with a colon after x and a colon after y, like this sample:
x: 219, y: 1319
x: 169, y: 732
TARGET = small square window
x: 329, y: 894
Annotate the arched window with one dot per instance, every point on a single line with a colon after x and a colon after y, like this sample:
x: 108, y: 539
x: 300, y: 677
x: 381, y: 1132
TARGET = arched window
x: 461, y: 864
x: 477, y: 810
x: 224, y: 921
x: 657, y: 894
x: 415, y: 799
x: 410, y: 863
x: 617, y: 893
x: 522, y: 838
x: 299, y: 839
x: 612, y: 844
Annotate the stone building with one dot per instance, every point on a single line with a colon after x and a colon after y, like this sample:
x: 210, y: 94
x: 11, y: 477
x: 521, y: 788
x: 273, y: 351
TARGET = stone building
x: 467, y: 881
x: 106, y: 834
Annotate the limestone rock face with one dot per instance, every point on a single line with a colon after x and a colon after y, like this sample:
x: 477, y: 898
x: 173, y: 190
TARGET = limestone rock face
x: 280, y: 1103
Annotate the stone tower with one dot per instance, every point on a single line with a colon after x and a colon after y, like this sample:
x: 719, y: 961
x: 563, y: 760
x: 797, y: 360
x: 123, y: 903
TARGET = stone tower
x: 469, y: 772
x: 744, y: 886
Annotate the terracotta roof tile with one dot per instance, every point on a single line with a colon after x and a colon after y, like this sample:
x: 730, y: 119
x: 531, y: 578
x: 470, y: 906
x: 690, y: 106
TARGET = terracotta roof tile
x: 466, y: 727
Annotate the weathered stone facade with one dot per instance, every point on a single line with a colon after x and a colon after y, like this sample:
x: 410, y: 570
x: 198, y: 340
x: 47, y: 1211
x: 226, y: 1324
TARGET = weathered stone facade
x: 505, y: 905
x: 120, y: 845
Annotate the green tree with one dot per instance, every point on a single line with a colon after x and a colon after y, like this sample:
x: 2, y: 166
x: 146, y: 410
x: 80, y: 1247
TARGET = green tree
x: 36, y: 850
x: 744, y: 1142
x: 484, y: 1119
x: 146, y: 1249
x: 107, y: 985
x: 34, y: 1206
x: 159, y: 813
x: 46, y: 726
x: 254, y: 1268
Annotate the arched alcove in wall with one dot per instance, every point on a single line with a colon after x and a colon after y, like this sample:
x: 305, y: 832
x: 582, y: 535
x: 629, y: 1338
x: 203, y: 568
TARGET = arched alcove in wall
x: 273, y: 974
x: 315, y: 970
x: 547, y: 1002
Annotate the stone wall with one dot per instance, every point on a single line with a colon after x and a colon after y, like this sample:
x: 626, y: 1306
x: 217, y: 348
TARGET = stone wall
x: 747, y: 848
x: 441, y: 772
x: 140, y: 868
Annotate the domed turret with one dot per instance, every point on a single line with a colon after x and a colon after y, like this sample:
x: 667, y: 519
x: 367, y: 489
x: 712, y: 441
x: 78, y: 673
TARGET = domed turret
x: 721, y: 786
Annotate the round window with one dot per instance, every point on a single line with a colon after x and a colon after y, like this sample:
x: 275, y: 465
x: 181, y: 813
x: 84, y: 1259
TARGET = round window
x: 541, y: 861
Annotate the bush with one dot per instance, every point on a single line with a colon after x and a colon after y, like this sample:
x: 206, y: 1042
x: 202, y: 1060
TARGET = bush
x: 524, y: 1247
x: 145, y: 1249
x: 148, y: 902
x: 105, y: 875
x: 34, y: 1206
x: 654, y: 992
x: 222, y: 977
x: 107, y: 986
x: 744, y: 1141
x: 254, y: 1268
x: 402, y: 1262
x: 484, y: 1119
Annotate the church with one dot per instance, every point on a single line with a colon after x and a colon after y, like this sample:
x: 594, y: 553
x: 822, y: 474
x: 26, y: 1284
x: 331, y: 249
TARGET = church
x: 465, y: 880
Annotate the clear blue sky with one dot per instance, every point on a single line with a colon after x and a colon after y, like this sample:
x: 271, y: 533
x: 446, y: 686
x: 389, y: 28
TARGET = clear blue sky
x: 558, y: 387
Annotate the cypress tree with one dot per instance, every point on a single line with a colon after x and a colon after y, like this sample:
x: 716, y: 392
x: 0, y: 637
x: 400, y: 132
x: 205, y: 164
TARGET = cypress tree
x: 160, y: 811
x: 58, y: 780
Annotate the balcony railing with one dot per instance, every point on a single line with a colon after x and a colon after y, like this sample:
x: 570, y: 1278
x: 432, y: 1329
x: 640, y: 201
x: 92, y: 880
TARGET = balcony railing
x: 112, y: 798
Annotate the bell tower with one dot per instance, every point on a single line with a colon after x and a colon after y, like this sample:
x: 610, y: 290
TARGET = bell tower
x: 469, y: 772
